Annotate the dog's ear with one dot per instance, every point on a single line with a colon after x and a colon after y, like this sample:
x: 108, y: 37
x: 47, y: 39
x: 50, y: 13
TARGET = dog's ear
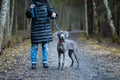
x: 66, y: 34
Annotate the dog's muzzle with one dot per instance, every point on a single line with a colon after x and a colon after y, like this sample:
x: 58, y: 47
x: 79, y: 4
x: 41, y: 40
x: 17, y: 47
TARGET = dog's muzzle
x: 62, y: 39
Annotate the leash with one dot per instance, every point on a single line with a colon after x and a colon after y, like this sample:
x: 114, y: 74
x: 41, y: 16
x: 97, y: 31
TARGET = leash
x: 56, y: 25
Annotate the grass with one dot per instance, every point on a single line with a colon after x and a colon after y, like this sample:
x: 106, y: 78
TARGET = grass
x: 114, y: 50
x: 94, y: 43
x: 12, y: 54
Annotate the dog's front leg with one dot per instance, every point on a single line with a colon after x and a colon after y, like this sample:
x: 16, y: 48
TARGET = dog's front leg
x: 63, y: 61
x: 59, y: 59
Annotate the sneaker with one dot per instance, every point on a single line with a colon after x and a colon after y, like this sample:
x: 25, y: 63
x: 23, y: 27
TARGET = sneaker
x: 45, y: 65
x: 33, y: 66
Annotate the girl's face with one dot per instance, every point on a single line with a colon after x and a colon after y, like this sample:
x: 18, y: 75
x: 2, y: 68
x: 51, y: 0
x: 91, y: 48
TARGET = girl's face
x: 39, y: 0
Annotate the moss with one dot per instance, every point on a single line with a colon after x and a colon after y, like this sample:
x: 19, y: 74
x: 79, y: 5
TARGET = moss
x: 92, y: 43
x: 115, y: 38
x: 97, y: 46
x: 114, y: 50
x: 111, y: 49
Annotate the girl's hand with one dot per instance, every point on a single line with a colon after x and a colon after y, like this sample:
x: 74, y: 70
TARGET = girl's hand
x: 32, y: 5
x: 53, y: 15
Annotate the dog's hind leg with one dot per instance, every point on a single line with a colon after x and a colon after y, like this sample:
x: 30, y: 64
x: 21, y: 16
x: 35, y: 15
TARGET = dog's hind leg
x: 70, y: 55
x: 75, y: 52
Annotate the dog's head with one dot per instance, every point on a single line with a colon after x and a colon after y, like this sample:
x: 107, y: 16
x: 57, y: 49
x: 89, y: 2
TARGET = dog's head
x: 61, y: 35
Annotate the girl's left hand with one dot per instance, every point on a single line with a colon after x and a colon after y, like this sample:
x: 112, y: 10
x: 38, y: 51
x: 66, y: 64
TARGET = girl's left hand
x: 53, y: 15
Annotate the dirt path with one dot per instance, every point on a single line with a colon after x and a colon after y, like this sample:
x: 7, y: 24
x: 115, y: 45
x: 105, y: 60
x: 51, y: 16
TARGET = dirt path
x: 92, y: 66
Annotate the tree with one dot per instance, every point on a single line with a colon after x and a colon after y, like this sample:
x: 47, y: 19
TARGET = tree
x: 11, y: 18
x: 95, y: 22
x: 3, y: 13
x: 86, y: 19
x: 110, y: 21
x: 109, y: 16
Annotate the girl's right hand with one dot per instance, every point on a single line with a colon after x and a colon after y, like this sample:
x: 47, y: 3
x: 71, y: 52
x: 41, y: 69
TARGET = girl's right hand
x: 32, y: 5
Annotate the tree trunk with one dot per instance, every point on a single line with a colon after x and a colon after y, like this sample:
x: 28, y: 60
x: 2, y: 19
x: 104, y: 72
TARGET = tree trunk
x: 11, y: 20
x: 61, y: 15
x: 96, y: 26
x: 109, y: 16
x: 90, y: 16
x: 16, y: 28
x: 68, y: 19
x: 7, y: 27
x: 115, y: 38
x: 86, y: 19
x: 25, y: 22
x: 3, y: 19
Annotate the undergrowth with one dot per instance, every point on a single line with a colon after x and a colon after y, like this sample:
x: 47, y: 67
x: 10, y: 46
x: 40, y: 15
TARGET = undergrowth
x: 93, y: 42
x: 12, y: 54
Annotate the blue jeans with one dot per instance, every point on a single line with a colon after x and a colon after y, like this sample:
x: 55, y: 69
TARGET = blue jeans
x: 34, y: 51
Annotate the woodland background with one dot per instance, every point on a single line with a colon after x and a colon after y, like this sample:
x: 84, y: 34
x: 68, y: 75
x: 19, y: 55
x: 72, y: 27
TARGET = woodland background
x: 98, y: 19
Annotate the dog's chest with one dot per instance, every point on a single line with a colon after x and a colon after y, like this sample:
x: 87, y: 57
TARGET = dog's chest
x: 60, y: 48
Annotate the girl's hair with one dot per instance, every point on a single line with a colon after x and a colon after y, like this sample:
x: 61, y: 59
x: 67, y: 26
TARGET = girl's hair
x: 34, y: 1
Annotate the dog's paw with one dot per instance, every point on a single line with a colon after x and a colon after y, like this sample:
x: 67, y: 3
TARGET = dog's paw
x: 62, y: 68
x: 71, y: 65
x: 77, y: 68
x: 58, y: 67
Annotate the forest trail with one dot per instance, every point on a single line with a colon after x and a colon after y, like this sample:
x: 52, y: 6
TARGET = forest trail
x: 96, y: 63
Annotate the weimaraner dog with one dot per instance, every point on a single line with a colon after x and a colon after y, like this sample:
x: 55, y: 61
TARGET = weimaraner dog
x: 65, y: 45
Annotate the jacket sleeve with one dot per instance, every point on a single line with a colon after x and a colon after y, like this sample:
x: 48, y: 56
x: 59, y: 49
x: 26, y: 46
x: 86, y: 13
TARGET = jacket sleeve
x: 49, y: 9
x: 28, y: 13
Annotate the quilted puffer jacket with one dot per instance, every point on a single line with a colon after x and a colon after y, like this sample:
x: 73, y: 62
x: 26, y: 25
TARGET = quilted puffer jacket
x: 40, y: 26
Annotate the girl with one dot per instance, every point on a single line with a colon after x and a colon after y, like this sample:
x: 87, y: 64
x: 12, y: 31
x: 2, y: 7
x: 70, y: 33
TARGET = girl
x: 40, y: 11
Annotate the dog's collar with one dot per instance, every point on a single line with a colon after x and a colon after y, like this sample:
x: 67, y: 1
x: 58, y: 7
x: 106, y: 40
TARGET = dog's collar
x: 61, y: 43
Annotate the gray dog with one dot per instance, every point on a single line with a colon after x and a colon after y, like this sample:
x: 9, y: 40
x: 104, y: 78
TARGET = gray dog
x: 64, y: 45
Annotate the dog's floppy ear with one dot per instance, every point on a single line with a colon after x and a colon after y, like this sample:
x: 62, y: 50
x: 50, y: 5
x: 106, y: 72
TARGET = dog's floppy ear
x: 66, y: 33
